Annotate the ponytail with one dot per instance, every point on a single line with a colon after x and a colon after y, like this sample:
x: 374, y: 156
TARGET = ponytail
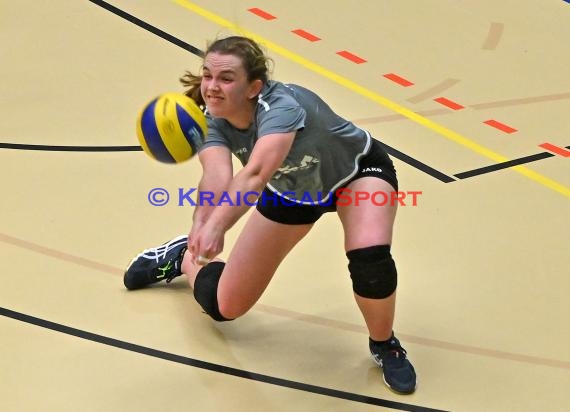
x: 192, y: 84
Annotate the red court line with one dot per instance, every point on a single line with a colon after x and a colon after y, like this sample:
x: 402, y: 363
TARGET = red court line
x: 397, y: 79
x: 449, y: 103
x: 352, y: 57
x: 261, y: 13
x: 306, y: 35
x: 555, y: 149
x: 501, y: 126
x: 406, y: 83
x: 288, y: 314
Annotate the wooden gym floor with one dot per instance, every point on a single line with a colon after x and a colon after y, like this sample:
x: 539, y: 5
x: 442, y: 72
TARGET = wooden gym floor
x: 472, y: 99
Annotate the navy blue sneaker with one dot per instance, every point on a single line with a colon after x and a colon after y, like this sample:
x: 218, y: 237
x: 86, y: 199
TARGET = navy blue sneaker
x: 399, y: 374
x: 156, y: 264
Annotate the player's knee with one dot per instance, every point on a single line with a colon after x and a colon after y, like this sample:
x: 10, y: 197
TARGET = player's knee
x: 206, y: 291
x: 232, y: 309
x: 373, y: 271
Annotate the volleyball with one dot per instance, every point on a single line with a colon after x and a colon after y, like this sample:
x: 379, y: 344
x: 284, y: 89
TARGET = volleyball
x: 171, y: 128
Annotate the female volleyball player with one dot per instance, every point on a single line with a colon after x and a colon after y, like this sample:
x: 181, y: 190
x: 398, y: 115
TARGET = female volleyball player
x: 302, y: 159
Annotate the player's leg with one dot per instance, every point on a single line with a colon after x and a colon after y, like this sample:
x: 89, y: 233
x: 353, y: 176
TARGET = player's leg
x: 227, y: 291
x: 368, y: 238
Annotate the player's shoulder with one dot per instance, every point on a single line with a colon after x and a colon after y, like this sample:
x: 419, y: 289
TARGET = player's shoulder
x: 276, y: 93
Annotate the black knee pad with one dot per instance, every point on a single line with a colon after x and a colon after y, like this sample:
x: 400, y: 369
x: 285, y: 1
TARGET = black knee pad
x: 206, y: 289
x: 373, y: 271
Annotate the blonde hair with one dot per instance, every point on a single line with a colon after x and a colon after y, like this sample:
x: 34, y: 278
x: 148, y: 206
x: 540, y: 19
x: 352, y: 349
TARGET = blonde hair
x: 254, y: 60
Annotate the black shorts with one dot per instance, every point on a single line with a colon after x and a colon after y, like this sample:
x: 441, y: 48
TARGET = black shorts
x: 376, y: 163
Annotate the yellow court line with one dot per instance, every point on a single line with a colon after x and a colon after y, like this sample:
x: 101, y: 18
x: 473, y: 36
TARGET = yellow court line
x: 449, y: 134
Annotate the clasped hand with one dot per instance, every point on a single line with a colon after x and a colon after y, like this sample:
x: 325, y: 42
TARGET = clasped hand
x: 205, y: 243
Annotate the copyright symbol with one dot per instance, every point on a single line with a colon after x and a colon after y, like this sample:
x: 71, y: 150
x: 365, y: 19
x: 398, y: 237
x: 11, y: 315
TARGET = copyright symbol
x: 158, y: 197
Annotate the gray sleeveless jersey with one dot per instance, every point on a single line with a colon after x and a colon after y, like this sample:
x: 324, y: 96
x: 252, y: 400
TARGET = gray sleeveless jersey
x: 325, y: 152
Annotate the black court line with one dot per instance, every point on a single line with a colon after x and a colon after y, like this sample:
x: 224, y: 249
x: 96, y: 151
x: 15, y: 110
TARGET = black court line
x: 417, y: 164
x: 403, y: 157
x: 51, y: 148
x: 143, y: 350
x: 505, y: 165
x: 148, y: 27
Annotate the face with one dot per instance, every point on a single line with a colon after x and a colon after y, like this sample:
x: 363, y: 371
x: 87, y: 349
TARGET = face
x: 226, y: 89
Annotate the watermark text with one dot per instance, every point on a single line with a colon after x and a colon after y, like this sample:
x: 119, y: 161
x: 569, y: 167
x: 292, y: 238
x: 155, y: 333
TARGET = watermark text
x: 341, y: 197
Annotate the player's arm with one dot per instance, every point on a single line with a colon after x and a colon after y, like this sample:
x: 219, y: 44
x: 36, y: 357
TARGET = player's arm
x: 217, y: 173
x: 267, y: 156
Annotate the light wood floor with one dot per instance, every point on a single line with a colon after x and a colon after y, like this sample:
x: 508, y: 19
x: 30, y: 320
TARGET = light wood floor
x: 483, y: 257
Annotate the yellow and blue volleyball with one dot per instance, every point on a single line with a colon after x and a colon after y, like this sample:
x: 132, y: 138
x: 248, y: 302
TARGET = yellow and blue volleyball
x: 171, y: 128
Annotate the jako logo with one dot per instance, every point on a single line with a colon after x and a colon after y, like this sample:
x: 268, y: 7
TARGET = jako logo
x: 371, y: 169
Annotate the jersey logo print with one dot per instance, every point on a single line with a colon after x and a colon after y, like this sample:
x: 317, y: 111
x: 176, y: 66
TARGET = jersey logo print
x: 262, y: 102
x: 306, y: 163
